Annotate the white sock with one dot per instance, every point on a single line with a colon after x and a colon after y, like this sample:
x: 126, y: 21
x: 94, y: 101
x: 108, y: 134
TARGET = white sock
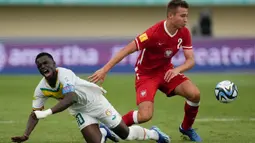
x: 135, y: 117
x: 139, y: 133
x: 192, y: 103
x: 104, y: 133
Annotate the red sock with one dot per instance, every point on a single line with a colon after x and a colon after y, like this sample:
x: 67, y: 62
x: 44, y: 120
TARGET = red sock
x: 190, y: 115
x: 128, y: 118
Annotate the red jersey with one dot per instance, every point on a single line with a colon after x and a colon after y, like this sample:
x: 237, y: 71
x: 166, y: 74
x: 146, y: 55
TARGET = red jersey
x: 158, y: 47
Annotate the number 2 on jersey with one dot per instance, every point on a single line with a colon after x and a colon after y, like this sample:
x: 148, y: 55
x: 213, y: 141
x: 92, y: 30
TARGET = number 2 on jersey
x: 179, y: 43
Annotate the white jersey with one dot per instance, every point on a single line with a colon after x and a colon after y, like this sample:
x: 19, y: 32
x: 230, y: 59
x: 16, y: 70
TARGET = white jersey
x: 88, y: 93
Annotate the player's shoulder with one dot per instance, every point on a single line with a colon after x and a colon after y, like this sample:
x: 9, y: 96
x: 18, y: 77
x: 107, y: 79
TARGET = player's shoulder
x: 153, y: 31
x: 65, y: 74
x: 40, y: 85
x: 157, y: 26
x: 62, y: 69
x: 184, y: 30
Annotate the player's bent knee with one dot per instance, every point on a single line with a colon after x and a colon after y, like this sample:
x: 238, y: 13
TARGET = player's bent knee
x: 144, y: 115
x: 195, y: 96
x: 145, y: 111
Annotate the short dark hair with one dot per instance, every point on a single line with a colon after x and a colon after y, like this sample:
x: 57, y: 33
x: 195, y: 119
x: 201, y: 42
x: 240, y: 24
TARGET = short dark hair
x: 44, y: 54
x: 174, y: 4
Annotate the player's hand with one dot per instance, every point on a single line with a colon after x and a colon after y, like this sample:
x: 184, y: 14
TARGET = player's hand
x: 171, y: 74
x: 19, y: 139
x: 43, y: 114
x: 98, y: 76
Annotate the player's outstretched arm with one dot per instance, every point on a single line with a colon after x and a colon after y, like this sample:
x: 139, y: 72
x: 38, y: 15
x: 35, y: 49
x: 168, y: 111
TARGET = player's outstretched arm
x: 32, y: 122
x: 100, y: 74
x: 129, y: 49
x: 67, y: 101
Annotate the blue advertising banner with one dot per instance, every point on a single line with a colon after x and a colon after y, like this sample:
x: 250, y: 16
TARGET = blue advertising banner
x: 86, y: 56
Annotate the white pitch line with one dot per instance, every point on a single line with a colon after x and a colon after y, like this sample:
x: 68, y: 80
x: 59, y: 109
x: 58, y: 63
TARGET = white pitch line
x: 6, y: 122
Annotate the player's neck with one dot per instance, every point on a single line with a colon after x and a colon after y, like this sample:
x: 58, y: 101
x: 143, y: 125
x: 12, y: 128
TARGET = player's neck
x: 53, y: 80
x: 171, y: 28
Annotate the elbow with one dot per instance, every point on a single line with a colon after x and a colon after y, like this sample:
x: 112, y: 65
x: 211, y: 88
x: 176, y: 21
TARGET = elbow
x: 68, y: 100
x: 192, y: 63
x: 71, y: 99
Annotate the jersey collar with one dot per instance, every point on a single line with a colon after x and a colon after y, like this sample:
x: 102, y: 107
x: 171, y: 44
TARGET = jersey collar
x: 168, y: 33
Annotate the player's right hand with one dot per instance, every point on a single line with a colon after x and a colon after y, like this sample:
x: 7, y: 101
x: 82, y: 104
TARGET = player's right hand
x: 171, y: 74
x: 19, y: 139
x: 98, y: 76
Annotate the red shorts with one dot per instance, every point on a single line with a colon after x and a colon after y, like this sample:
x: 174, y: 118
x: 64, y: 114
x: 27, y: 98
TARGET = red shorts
x: 147, y: 85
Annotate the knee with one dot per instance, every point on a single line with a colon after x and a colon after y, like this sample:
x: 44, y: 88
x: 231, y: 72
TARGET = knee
x: 145, y: 111
x: 194, y: 96
x: 144, y: 115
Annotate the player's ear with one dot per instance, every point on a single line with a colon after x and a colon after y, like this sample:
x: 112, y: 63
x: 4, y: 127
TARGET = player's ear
x: 170, y: 14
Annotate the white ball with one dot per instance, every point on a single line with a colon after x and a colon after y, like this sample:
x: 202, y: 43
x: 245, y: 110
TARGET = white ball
x: 226, y: 91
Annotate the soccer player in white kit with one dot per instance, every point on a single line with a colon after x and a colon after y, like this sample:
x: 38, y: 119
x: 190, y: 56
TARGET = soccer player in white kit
x: 85, y: 101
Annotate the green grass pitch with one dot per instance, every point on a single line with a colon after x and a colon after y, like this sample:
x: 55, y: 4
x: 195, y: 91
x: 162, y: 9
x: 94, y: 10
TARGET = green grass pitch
x: 216, y: 122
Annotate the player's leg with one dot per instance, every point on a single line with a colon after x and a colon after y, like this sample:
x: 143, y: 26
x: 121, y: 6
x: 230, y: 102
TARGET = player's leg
x: 109, y: 118
x: 112, y: 119
x: 92, y: 134
x: 89, y: 128
x: 145, y: 91
x: 181, y: 85
x: 136, y: 132
x: 189, y: 91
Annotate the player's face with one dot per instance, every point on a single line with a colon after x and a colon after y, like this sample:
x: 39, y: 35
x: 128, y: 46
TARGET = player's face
x: 46, y: 66
x: 180, y: 18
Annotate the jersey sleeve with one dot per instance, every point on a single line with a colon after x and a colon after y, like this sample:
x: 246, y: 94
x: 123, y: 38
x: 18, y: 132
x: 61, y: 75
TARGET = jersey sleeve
x: 144, y: 40
x: 67, y: 79
x: 187, y: 43
x: 39, y: 99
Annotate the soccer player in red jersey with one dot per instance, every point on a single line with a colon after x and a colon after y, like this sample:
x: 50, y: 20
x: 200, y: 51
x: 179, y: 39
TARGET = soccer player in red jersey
x: 154, y: 70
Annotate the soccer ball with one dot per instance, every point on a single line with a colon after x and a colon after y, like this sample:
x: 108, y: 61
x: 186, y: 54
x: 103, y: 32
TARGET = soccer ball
x: 226, y: 91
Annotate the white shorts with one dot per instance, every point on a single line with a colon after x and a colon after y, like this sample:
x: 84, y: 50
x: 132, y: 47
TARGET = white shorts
x: 99, y: 111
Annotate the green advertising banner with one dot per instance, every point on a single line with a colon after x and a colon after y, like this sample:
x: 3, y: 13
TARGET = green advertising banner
x: 122, y: 2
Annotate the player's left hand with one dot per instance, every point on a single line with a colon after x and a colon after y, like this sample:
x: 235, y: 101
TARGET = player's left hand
x: 171, y: 73
x: 98, y: 76
x: 19, y: 139
x: 43, y: 114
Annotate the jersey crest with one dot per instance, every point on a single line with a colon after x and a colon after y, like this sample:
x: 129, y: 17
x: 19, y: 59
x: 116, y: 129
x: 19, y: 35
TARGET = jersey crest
x: 168, y: 53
